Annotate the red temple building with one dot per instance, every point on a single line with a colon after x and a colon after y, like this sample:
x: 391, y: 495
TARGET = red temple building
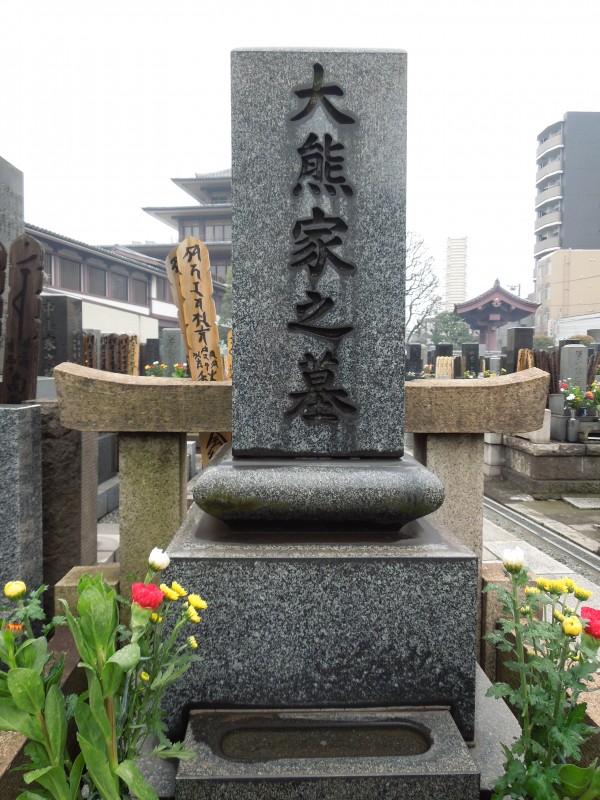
x: 491, y: 310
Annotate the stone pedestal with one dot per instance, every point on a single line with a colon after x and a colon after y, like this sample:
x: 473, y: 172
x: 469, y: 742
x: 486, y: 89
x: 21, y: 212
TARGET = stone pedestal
x: 329, y: 621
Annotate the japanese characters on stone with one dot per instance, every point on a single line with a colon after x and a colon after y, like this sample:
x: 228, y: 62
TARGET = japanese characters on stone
x: 318, y: 244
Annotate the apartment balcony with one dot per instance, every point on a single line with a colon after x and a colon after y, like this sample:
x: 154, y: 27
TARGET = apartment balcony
x: 548, y: 219
x: 549, y: 244
x: 553, y: 166
x: 558, y: 140
x: 548, y: 194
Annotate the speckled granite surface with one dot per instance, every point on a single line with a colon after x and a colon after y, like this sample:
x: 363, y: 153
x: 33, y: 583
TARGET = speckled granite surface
x: 318, y: 274
x: 321, y: 623
x: 366, y: 492
x: 445, y: 770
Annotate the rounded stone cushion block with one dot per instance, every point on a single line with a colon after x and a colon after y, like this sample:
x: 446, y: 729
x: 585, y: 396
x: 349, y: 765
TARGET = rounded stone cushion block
x: 340, y: 492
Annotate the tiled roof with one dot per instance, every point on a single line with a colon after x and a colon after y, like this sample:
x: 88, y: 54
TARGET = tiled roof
x: 104, y: 251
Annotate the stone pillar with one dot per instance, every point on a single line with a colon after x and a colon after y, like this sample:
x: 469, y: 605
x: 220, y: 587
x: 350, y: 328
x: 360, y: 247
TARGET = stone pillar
x: 21, y: 492
x: 462, y: 509
x: 69, y: 496
x: 153, y: 468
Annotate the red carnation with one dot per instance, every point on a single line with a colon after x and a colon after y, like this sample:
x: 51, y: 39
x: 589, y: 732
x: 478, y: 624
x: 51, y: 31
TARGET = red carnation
x: 591, y: 617
x: 147, y: 595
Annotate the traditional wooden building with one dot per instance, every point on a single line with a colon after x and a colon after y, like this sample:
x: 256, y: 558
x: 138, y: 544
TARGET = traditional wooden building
x: 491, y: 310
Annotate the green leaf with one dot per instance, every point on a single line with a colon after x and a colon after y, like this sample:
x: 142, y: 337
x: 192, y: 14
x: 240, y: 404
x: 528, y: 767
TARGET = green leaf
x: 99, y: 769
x: 13, y: 719
x: 112, y: 675
x: 86, y: 724
x: 33, y: 654
x: 128, y: 771
x: 75, y: 778
x: 574, y: 779
x: 127, y: 657
x: 53, y: 779
x: 77, y: 634
x: 175, y: 751
x: 98, y: 618
x: 31, y: 796
x: 96, y: 702
x: 56, y: 722
x: 27, y: 690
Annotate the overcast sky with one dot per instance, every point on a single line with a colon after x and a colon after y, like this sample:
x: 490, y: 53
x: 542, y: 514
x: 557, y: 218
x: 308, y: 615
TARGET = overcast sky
x: 102, y: 103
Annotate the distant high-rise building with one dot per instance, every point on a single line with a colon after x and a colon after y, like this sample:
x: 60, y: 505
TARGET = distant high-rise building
x: 567, y: 203
x: 456, y: 272
x: 567, y: 220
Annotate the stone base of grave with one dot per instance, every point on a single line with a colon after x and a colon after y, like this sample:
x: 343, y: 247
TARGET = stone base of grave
x: 324, y: 622
x: 293, y: 494
x: 374, y: 754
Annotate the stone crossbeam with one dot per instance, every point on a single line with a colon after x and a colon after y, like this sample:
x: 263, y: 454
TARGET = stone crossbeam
x: 93, y: 400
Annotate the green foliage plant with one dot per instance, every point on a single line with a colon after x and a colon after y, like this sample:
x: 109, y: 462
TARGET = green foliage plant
x: 127, y: 671
x: 554, y: 650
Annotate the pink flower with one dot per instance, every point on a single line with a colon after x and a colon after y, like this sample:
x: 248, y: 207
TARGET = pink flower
x: 147, y: 595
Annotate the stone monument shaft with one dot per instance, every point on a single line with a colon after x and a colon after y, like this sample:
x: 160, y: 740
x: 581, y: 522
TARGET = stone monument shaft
x: 318, y: 252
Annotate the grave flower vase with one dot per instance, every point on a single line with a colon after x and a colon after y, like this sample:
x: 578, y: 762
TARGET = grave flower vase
x: 573, y: 427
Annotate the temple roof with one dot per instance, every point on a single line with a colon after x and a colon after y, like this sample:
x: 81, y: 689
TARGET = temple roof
x: 494, y: 308
x: 495, y: 297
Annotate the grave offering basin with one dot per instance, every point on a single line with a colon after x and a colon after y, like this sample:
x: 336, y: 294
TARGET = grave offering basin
x: 413, y: 753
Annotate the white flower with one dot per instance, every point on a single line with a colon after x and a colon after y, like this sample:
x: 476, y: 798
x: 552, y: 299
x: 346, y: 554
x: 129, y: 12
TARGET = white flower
x: 158, y: 559
x: 570, y: 397
x: 513, y: 559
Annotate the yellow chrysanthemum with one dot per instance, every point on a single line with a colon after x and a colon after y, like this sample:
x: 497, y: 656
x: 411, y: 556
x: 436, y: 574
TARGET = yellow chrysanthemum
x: 179, y: 589
x: 530, y: 590
x: 155, y: 618
x: 192, y: 615
x: 15, y: 590
x: 572, y: 626
x: 170, y: 594
x: 570, y: 584
x: 543, y: 583
x: 193, y: 644
x: 525, y: 609
x: 557, y: 588
x: 197, y: 602
x: 558, y: 616
x: 581, y: 593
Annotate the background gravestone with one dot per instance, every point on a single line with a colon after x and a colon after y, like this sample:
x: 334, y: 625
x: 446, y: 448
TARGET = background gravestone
x: 573, y: 364
x: 318, y: 252
x: 11, y: 226
x: 443, y: 350
x: 172, y: 348
x: 61, y: 334
x: 415, y: 358
x: 470, y: 351
x: 517, y: 339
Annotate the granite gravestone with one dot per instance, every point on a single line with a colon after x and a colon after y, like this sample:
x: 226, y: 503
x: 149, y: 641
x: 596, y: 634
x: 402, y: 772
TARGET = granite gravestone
x: 172, y: 348
x: 574, y: 364
x: 517, y: 339
x: 416, y: 353
x: 325, y: 514
x: 470, y: 352
x: 318, y: 252
x: 444, y: 350
x: 61, y: 334
x: 11, y: 226
x: 21, y: 492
